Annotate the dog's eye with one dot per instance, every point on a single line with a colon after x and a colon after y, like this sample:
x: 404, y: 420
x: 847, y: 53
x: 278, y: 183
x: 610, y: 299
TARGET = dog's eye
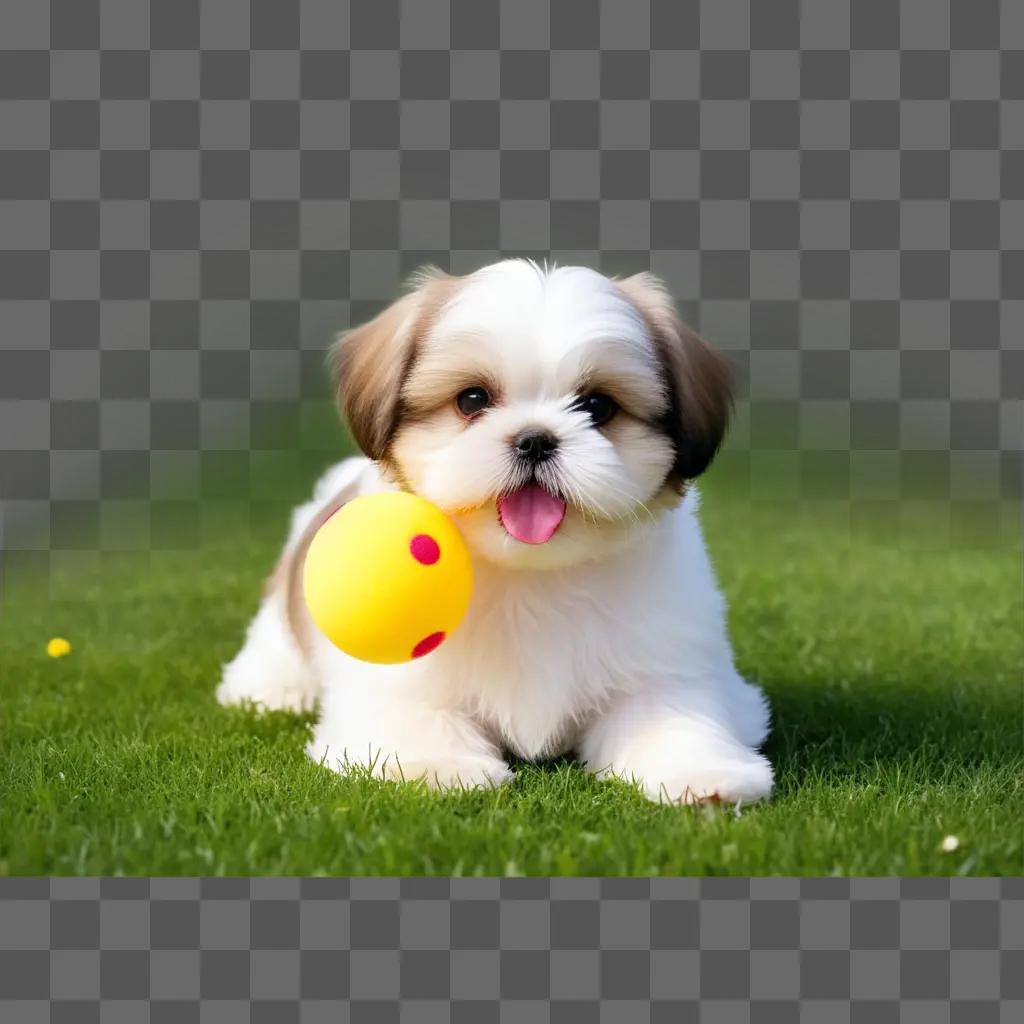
x: 472, y: 400
x: 600, y: 408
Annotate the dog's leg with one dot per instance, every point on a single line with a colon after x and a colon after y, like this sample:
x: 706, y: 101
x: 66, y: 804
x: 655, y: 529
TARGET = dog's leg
x: 398, y: 737
x: 273, y: 670
x: 270, y: 671
x: 748, y: 708
x: 677, y: 743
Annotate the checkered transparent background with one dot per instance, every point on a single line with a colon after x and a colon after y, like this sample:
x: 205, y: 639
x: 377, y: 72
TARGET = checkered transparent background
x: 535, y: 951
x: 195, y: 197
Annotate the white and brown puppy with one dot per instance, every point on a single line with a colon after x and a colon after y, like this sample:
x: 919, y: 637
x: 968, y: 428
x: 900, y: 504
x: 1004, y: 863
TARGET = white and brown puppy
x: 558, y: 417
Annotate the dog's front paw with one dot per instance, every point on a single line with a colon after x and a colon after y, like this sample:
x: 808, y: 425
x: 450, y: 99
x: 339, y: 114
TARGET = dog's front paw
x: 460, y: 773
x: 735, y: 775
x: 735, y: 780
x: 467, y: 772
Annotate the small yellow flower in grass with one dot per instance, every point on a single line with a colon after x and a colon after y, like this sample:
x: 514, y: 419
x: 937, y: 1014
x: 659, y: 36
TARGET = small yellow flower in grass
x: 949, y: 844
x: 58, y: 647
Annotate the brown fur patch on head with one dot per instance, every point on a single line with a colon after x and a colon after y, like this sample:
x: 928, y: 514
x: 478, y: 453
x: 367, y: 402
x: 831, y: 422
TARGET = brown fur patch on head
x: 697, y: 379
x: 369, y: 363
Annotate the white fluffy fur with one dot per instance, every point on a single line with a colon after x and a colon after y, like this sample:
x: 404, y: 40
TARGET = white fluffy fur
x: 609, y: 640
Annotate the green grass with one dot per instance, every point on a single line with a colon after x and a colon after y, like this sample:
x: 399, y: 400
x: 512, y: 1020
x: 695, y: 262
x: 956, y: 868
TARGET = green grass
x: 895, y: 677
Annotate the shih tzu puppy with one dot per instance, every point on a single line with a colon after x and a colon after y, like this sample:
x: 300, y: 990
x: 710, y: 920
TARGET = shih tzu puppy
x: 559, y: 417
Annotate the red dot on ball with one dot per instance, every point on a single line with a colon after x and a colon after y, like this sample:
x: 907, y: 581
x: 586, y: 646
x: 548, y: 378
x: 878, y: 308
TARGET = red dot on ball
x: 428, y: 644
x: 425, y: 549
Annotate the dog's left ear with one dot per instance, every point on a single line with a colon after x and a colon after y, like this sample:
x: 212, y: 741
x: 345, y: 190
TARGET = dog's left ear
x: 369, y: 363
x: 697, y: 379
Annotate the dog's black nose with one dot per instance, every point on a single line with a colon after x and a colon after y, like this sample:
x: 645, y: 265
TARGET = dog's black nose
x: 536, y: 445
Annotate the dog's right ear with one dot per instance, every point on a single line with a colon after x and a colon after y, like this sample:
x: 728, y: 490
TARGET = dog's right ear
x: 697, y: 379
x: 369, y: 363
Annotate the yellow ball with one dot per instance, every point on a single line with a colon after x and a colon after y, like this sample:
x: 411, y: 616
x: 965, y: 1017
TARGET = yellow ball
x: 388, y: 577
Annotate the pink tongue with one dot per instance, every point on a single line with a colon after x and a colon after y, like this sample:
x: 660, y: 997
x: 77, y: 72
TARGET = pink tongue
x: 531, y: 515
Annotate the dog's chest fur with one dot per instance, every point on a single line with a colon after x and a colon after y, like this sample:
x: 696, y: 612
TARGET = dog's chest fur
x: 540, y: 653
